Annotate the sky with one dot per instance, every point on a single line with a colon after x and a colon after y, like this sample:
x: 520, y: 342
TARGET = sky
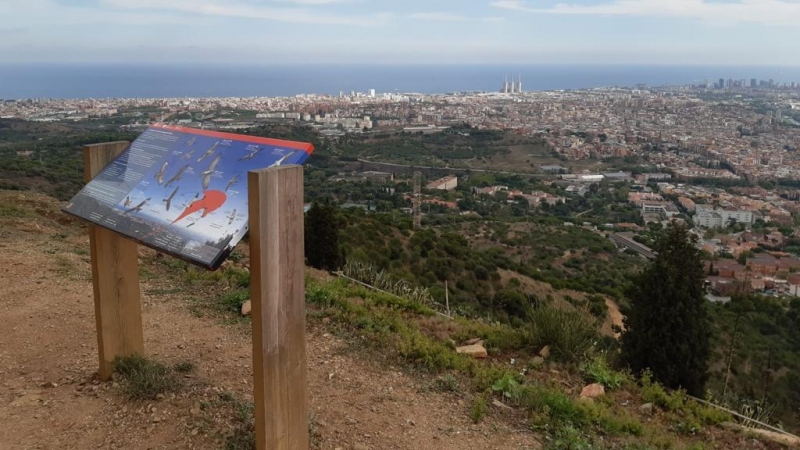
x: 672, y: 32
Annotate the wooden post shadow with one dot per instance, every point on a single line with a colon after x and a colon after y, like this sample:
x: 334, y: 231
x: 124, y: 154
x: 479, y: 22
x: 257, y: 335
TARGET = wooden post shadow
x: 275, y: 202
x: 115, y: 277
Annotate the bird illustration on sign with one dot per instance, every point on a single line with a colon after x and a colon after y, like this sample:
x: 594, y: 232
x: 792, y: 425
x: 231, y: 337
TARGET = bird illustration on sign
x: 159, y: 176
x: 137, y: 208
x: 168, y: 200
x: 210, y: 202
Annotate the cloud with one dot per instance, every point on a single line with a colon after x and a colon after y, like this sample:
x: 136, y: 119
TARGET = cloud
x: 514, y: 5
x: 315, y: 2
x: 769, y: 12
x: 255, y: 11
x: 38, y: 14
x: 450, y: 17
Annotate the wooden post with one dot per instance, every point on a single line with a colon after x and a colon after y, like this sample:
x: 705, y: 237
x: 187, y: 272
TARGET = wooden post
x: 277, y: 292
x: 115, y: 277
x: 447, y: 297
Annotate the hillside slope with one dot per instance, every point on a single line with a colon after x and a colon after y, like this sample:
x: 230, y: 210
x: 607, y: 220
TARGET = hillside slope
x: 49, y: 397
x: 381, y: 372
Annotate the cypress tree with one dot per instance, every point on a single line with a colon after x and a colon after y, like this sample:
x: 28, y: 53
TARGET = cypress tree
x: 667, y: 327
x: 322, y: 237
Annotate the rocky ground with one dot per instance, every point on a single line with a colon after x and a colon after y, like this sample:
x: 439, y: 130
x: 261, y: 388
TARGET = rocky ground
x: 50, y: 397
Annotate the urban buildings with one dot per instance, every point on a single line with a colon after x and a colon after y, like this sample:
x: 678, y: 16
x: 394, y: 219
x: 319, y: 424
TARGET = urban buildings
x: 710, y: 217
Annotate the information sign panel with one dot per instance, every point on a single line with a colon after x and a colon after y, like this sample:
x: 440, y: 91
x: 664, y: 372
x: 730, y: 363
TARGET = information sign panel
x: 182, y: 191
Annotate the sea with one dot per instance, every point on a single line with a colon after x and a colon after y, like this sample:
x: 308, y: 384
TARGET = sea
x: 168, y: 81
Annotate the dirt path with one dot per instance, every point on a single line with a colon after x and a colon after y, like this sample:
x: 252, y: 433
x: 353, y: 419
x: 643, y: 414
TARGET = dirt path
x: 49, y: 398
x: 613, y: 318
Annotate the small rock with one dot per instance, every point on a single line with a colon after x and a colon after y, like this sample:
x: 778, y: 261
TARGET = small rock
x: 31, y: 398
x: 646, y: 409
x: 500, y: 404
x: 156, y: 419
x: 476, y: 351
x: 537, y: 361
x: 473, y: 341
x: 246, y: 306
x: 593, y: 390
x: 545, y: 352
x: 195, y: 411
x: 360, y: 447
x: 195, y: 431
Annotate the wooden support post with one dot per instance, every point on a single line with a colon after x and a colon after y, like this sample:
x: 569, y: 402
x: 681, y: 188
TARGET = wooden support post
x: 115, y: 277
x: 277, y: 292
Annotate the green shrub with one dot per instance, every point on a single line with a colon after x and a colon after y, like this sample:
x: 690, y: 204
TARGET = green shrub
x: 319, y: 295
x: 653, y: 392
x: 479, y: 409
x: 183, y: 367
x: 243, y: 436
x: 597, y: 370
x: 570, y: 334
x: 568, y: 438
x: 427, y: 353
x: 688, y: 427
x: 554, y: 410
x: 509, y: 387
x: 496, y: 337
x: 709, y: 415
x: 660, y: 441
x: 446, y: 383
x: 144, y: 379
x: 238, y: 278
x: 484, y: 377
x: 691, y: 414
x: 14, y: 211
x: 233, y: 301
x: 622, y: 424
x: 558, y: 408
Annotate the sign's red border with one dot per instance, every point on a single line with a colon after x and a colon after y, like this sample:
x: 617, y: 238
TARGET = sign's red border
x: 308, y: 148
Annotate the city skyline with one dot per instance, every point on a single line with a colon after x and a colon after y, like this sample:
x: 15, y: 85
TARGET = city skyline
x: 691, y: 32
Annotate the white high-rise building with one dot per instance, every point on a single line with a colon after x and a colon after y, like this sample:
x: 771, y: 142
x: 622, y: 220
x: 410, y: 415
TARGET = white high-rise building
x: 519, y: 89
x: 372, y: 93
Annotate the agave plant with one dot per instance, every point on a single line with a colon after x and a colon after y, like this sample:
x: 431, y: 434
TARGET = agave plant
x: 379, y: 279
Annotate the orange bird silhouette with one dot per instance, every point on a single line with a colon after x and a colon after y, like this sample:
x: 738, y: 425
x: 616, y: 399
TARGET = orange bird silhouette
x: 210, y: 202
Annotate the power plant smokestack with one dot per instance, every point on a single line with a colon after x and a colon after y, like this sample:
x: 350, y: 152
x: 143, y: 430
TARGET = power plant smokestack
x: 513, y: 87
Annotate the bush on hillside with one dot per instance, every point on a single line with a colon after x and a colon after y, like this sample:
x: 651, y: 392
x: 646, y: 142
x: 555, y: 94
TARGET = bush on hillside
x: 570, y: 334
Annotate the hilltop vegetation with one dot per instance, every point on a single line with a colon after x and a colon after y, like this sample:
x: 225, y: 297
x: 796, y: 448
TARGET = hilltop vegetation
x: 473, y: 265
x: 760, y: 337
x: 46, y: 157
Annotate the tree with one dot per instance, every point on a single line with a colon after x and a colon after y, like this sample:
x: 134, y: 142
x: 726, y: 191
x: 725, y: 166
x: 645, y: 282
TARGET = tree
x: 322, y: 237
x: 667, y: 325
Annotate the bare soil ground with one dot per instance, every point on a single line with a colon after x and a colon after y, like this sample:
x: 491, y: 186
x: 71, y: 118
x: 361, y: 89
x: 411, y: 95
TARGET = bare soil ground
x: 50, y: 397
